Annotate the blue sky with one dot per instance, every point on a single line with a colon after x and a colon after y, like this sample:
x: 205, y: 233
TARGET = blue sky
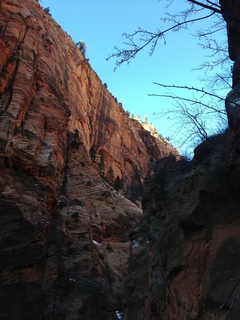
x: 100, y: 24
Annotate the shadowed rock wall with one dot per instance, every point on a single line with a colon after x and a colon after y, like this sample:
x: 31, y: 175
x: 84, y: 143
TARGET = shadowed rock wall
x: 185, y: 253
x: 184, y: 261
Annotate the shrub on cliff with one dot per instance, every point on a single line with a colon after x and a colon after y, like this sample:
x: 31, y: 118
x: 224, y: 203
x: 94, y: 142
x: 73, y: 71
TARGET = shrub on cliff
x: 74, y: 139
x: 110, y: 176
x: 82, y: 46
x: 100, y: 163
x: 134, y: 192
x: 117, y: 183
x: 47, y: 10
x: 98, y: 158
x: 92, y: 153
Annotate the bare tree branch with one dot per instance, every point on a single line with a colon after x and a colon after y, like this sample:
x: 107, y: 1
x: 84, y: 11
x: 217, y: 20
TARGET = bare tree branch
x: 192, y: 116
x: 224, y: 80
x: 215, y: 10
x: 148, y: 38
x: 191, y: 113
x: 191, y: 101
x: 204, y: 92
x: 214, y: 4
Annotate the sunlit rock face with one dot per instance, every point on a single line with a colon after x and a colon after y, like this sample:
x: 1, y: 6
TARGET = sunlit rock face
x: 48, y: 88
x: 64, y: 228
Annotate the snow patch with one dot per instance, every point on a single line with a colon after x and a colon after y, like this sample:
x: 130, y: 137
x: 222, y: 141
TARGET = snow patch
x: 96, y: 243
x: 235, y: 103
x: 119, y: 315
x: 136, y: 245
x: 72, y: 279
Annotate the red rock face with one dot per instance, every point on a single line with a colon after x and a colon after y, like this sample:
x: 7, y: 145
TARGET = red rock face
x: 64, y: 230
x: 48, y: 88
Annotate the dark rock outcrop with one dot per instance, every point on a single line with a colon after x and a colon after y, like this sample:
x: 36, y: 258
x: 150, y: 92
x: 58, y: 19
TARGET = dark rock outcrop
x: 186, y: 262
x: 231, y: 14
x: 185, y: 253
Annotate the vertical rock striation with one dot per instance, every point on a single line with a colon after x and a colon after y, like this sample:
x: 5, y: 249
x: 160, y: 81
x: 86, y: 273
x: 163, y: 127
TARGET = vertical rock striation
x: 64, y: 228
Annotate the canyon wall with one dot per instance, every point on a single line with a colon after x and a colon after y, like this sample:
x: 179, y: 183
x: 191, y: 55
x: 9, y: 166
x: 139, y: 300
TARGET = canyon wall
x: 69, y: 158
x: 184, y: 261
x: 64, y: 227
x: 185, y: 253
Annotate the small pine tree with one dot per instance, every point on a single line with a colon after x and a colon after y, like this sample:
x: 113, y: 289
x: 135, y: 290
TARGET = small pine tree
x: 100, y: 163
x: 117, y: 183
x: 74, y: 140
x: 47, y: 10
x: 110, y: 176
x: 82, y: 46
x: 92, y: 152
x: 109, y: 247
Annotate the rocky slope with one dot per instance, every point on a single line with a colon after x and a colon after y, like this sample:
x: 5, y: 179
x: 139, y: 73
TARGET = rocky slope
x: 64, y: 141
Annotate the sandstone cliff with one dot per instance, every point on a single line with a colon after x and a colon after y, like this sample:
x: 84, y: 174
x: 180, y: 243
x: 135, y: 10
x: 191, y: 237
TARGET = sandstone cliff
x: 64, y: 228
x: 64, y: 233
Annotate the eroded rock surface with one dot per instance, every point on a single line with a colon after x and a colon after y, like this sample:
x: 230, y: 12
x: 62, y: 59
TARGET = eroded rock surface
x: 64, y: 229
x: 186, y: 262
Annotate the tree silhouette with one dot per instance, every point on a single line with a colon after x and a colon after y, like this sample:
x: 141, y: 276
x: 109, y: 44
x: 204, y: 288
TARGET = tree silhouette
x: 82, y: 46
x: 190, y: 114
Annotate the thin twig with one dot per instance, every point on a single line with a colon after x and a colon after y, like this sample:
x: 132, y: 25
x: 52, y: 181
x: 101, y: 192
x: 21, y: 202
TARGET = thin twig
x: 205, y: 6
x: 215, y: 10
x: 127, y: 55
x: 188, y: 100
x: 204, y: 92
